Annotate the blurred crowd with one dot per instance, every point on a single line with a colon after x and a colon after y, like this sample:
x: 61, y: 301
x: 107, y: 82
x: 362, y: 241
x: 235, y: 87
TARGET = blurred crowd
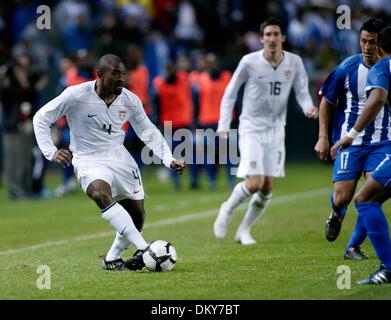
x: 179, y: 53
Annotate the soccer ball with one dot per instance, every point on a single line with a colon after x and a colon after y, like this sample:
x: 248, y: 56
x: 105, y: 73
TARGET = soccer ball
x: 160, y: 255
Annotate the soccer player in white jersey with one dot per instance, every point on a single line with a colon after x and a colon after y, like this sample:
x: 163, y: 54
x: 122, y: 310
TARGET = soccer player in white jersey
x: 269, y: 75
x: 107, y: 173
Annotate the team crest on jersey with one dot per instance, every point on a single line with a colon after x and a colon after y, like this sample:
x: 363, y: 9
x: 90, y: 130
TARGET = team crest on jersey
x: 288, y: 74
x: 122, y: 115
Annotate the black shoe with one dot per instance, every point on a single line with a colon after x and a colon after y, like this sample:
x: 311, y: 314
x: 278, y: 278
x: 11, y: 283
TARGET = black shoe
x: 118, y: 264
x: 355, y: 253
x: 333, y: 227
x: 136, y: 262
x: 380, y: 276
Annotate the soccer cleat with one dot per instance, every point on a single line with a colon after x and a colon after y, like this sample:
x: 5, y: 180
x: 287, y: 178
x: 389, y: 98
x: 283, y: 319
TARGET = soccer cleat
x: 118, y: 264
x: 220, y: 227
x: 355, y: 253
x: 136, y: 262
x: 380, y: 276
x: 244, y: 238
x: 333, y: 227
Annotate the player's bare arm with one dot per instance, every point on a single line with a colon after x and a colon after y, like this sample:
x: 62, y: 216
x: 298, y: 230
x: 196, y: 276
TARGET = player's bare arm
x: 63, y: 157
x: 178, y: 165
x: 322, y: 146
x: 375, y: 102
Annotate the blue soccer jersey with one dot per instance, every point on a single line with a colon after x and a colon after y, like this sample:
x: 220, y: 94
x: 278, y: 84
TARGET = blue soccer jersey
x: 379, y: 77
x: 345, y: 87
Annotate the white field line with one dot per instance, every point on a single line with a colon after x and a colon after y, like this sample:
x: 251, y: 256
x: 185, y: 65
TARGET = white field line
x: 169, y: 221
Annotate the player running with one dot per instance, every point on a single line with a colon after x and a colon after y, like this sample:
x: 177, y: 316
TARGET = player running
x: 269, y: 75
x: 107, y: 173
x: 344, y: 93
x: 377, y: 187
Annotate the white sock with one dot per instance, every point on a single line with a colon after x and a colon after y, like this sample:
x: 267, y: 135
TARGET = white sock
x: 120, y: 220
x: 120, y: 244
x: 239, y: 193
x: 256, y: 208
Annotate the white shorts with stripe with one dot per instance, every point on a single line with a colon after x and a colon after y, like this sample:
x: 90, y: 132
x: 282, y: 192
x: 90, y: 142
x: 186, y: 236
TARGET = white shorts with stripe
x: 116, y: 167
x: 262, y: 153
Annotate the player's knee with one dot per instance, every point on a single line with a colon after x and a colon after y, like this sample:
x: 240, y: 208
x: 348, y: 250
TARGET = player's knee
x: 101, y: 197
x: 361, y: 198
x: 342, y: 199
x: 254, y: 185
x: 267, y: 187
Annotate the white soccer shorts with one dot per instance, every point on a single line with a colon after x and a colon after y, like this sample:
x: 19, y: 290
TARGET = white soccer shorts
x: 262, y: 153
x: 116, y: 167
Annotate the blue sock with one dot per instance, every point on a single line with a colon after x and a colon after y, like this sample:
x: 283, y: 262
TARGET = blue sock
x: 339, y: 212
x: 359, y: 234
x: 377, y: 227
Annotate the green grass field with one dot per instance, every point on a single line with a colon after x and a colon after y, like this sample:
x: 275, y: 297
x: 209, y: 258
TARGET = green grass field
x: 292, y: 259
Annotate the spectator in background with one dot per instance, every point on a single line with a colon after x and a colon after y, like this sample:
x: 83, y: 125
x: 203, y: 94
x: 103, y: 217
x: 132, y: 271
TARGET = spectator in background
x: 130, y: 33
x: 73, y: 73
x: 106, y: 34
x: 67, y: 12
x: 201, y: 66
x: 19, y: 97
x: 174, y: 104
x: 78, y: 36
x: 211, y: 85
x: 24, y: 14
x: 187, y: 31
x: 138, y: 12
x: 138, y: 83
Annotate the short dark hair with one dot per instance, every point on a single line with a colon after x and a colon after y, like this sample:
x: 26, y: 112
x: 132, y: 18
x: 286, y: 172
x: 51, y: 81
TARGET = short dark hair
x: 106, y: 60
x: 272, y: 21
x: 373, y: 25
x: 384, y: 39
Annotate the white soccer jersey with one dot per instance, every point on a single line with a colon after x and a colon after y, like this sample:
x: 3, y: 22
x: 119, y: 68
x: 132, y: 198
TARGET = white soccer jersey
x: 94, y: 126
x: 266, y: 91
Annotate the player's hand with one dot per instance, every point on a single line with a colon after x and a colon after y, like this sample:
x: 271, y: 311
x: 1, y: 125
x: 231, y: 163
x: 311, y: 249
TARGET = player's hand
x: 178, y: 165
x: 223, y: 134
x: 312, y: 113
x: 322, y: 148
x: 63, y: 157
x: 345, y: 142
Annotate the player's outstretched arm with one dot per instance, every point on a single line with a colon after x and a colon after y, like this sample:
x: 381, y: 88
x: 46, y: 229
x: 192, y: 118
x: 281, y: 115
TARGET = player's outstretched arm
x: 178, y: 165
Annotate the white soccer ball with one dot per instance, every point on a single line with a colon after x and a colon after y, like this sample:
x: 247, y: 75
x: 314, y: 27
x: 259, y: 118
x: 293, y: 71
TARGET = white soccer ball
x: 160, y: 256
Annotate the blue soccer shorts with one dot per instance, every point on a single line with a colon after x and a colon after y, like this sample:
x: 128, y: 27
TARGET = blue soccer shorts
x: 351, y: 162
x: 382, y: 173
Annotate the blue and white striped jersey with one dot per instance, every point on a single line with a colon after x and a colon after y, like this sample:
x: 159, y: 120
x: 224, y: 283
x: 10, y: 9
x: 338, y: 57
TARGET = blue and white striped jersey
x: 345, y: 87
